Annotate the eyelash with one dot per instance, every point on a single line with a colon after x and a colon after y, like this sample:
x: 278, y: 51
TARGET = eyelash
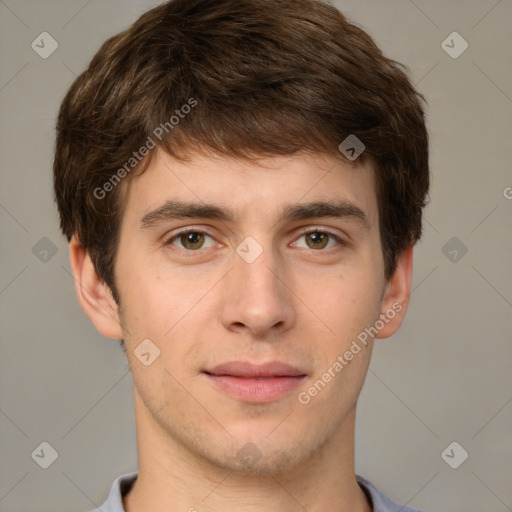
x: 308, y: 232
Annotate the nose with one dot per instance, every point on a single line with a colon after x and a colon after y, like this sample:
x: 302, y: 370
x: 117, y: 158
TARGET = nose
x: 257, y: 295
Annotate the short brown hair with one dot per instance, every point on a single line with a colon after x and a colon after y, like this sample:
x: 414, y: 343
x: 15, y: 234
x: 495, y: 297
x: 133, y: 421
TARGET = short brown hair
x: 265, y: 77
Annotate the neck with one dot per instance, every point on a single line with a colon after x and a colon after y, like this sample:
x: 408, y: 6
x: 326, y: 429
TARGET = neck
x: 171, y: 477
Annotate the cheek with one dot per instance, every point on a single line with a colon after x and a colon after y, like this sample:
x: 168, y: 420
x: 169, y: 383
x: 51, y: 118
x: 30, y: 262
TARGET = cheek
x: 146, y: 303
x: 353, y: 298
x: 167, y: 309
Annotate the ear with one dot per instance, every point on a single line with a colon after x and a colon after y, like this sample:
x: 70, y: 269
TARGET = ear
x: 94, y: 295
x: 396, y: 295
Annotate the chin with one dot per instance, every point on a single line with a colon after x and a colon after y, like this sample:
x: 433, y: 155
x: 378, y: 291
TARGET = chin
x: 260, y: 457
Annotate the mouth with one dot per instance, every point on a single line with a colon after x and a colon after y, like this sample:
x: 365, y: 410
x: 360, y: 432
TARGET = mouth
x: 252, y: 383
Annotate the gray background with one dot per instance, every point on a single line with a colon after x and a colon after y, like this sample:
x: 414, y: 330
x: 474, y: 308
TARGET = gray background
x: 444, y: 377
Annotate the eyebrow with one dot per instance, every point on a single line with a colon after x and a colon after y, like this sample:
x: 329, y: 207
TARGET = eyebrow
x: 172, y: 210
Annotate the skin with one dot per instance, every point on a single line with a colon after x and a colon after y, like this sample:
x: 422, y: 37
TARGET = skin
x: 298, y: 302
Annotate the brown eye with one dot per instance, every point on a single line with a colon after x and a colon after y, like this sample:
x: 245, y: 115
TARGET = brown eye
x: 189, y: 240
x: 318, y: 240
x: 192, y: 240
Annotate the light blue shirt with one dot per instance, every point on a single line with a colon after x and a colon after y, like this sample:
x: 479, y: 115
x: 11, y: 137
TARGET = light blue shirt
x: 380, y: 502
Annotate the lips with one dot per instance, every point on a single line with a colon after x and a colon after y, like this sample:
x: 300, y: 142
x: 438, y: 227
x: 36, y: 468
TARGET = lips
x: 247, y: 370
x: 247, y: 382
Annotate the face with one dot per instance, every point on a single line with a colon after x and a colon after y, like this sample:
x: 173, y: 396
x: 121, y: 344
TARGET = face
x: 250, y: 310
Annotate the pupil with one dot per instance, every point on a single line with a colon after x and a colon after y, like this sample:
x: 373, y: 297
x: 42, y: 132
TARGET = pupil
x: 193, y: 238
x: 317, y: 238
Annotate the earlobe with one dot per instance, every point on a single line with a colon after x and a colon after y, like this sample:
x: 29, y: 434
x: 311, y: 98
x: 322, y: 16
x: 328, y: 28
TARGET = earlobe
x: 94, y: 295
x: 396, y: 296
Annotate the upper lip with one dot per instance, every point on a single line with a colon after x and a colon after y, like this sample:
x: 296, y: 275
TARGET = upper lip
x: 249, y: 370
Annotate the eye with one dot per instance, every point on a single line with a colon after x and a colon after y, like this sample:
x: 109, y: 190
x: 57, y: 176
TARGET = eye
x: 318, y: 239
x: 190, y: 240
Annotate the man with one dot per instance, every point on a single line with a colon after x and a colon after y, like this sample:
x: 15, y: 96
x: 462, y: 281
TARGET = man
x: 241, y: 183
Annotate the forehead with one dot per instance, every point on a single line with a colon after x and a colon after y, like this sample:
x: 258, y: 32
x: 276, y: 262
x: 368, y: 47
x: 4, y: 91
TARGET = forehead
x: 250, y: 190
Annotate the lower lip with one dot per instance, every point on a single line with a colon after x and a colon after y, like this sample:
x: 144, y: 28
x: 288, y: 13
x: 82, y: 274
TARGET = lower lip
x: 256, y: 390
